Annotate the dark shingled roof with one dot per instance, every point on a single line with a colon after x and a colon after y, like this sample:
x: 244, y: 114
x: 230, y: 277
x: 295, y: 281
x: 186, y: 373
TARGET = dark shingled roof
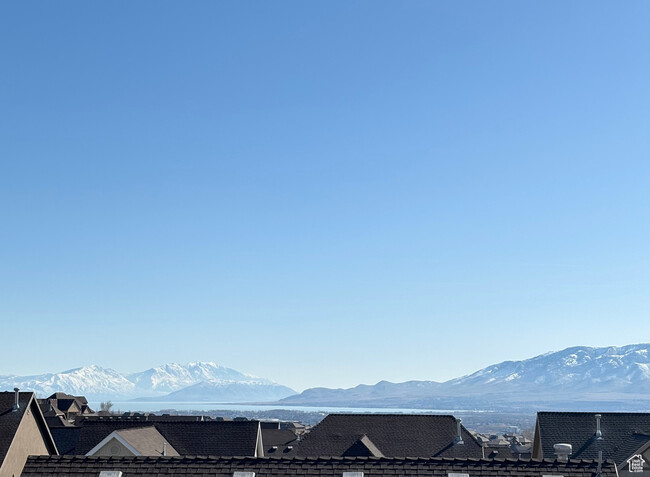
x: 394, y: 435
x: 63, y: 396
x: 222, y: 438
x: 276, y: 441
x: 145, y: 441
x: 78, y: 466
x: 623, y: 433
x: 136, y: 416
x: 10, y: 420
x: 57, y: 421
x: 65, y: 438
x: 500, y: 452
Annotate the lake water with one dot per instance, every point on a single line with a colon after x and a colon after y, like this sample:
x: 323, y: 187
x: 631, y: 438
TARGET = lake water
x: 128, y: 406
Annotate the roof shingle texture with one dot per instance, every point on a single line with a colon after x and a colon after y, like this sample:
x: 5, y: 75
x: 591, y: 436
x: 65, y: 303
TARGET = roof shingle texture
x: 394, y: 435
x: 78, y: 466
x: 222, y: 438
x: 277, y: 441
x: 623, y: 433
x: 65, y: 438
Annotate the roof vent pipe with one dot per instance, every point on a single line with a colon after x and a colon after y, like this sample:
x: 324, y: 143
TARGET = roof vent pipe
x: 599, y: 472
x: 459, y: 437
x: 599, y: 434
x: 16, y: 399
x: 563, y: 451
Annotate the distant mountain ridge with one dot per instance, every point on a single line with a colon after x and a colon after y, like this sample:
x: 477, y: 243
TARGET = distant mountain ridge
x: 162, y: 383
x: 580, y: 378
x: 614, y: 369
x: 88, y: 380
x: 613, y: 378
x: 173, y: 377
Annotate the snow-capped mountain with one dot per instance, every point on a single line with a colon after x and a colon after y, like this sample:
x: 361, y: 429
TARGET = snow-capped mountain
x: 579, y: 368
x: 173, y: 377
x: 218, y: 383
x: 609, y: 378
x: 94, y: 381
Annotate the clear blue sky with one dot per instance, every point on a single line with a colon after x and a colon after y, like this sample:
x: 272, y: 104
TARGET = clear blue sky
x: 325, y: 192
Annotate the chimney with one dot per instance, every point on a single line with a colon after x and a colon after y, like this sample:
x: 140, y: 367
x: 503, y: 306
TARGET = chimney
x: 563, y: 451
x: 599, y: 434
x: 16, y: 399
x: 459, y: 436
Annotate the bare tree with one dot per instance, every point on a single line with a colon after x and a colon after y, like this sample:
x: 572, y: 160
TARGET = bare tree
x: 106, y: 407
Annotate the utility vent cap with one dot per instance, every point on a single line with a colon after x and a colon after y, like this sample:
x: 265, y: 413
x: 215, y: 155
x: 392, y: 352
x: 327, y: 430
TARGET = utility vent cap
x: 563, y: 451
x: 551, y: 475
x: 457, y: 474
x: 243, y: 474
x: 352, y: 474
x: 459, y: 435
x: 110, y: 473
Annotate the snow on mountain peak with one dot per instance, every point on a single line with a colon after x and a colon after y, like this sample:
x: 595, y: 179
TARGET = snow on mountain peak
x: 173, y: 377
x: 579, y: 366
x: 105, y: 383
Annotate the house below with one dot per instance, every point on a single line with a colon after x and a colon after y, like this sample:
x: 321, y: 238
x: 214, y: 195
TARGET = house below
x: 63, y: 466
x: 65, y: 406
x: 140, y: 441
x: 623, y: 437
x: 388, y: 435
x: 23, y: 432
x: 98, y: 435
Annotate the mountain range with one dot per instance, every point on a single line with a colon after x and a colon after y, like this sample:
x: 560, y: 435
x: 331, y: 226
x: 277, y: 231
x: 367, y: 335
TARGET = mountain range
x: 169, y: 382
x: 612, y: 378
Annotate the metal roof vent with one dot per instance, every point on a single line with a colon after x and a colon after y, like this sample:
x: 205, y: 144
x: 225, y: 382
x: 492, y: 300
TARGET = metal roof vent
x: 243, y: 474
x: 563, y: 451
x: 599, y: 434
x: 352, y: 474
x: 110, y: 473
x: 457, y: 474
x: 599, y: 471
x: 16, y: 399
x: 459, y: 436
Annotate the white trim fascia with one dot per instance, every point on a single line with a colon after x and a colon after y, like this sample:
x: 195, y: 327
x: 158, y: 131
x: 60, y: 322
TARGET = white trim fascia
x: 119, y: 438
x: 259, y: 445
